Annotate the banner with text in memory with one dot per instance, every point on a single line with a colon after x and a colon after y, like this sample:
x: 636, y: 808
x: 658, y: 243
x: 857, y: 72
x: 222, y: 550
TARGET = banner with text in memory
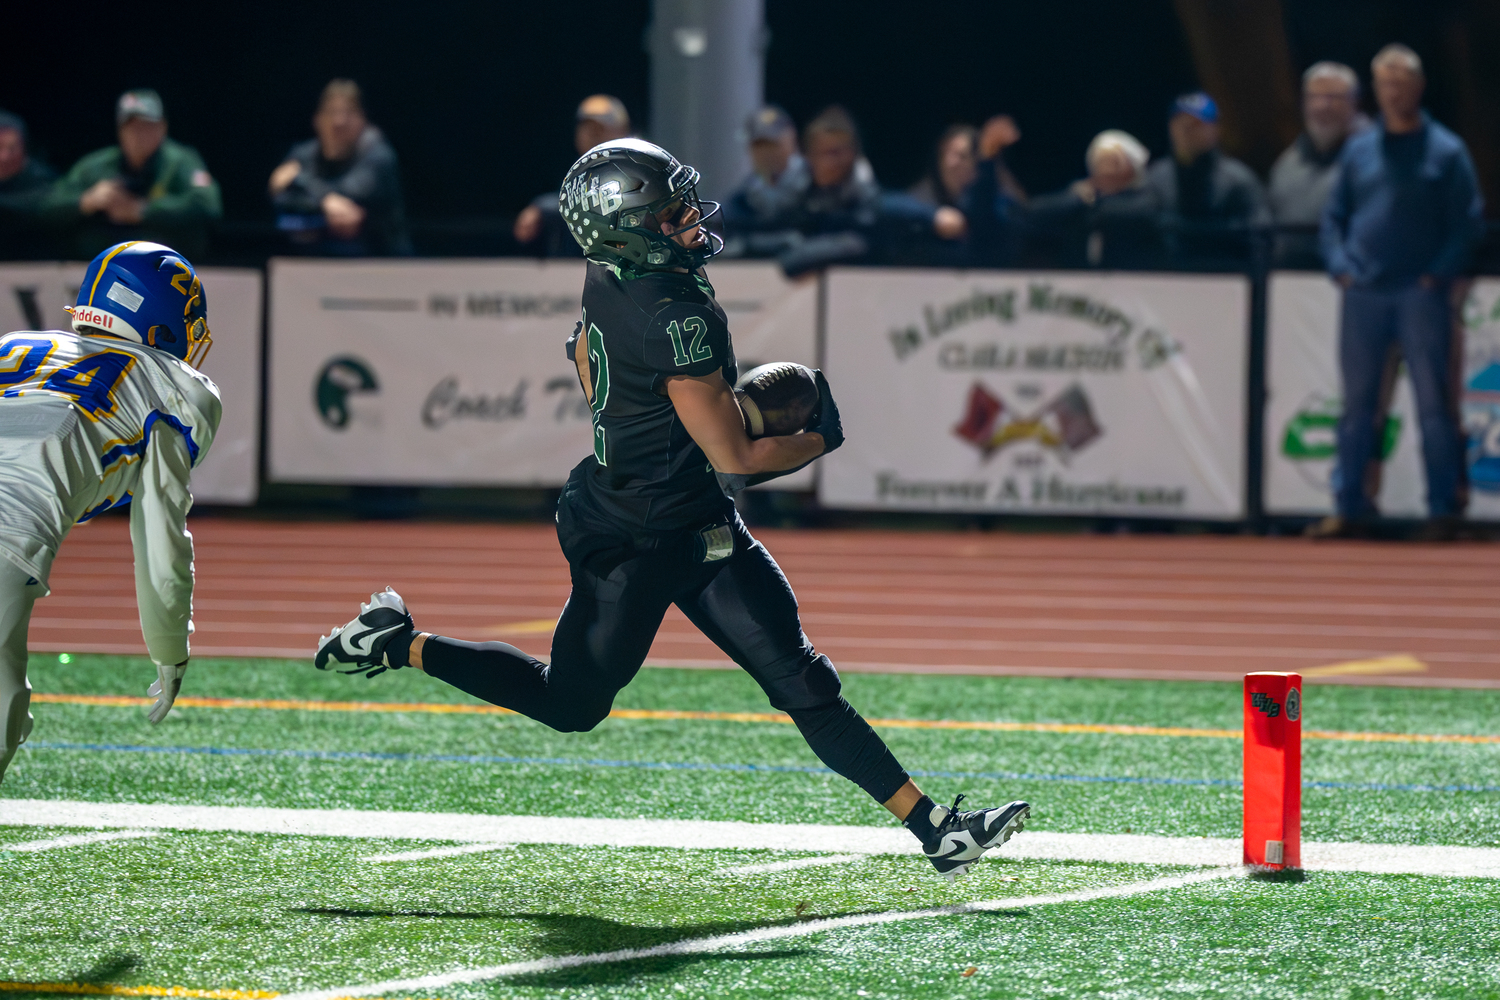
x: 1304, y: 402
x: 1058, y: 393
x: 454, y: 372
x: 32, y: 296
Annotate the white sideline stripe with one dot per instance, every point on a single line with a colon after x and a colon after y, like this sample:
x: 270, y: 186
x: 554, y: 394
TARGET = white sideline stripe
x: 698, y: 946
x: 786, y: 866
x: 1385, y: 859
x: 77, y: 840
x: 439, y: 852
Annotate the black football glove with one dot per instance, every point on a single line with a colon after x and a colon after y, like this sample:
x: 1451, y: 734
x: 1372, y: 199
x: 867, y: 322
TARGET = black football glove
x: 825, y: 420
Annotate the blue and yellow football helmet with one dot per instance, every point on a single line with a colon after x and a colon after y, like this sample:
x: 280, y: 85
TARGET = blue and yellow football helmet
x: 148, y: 294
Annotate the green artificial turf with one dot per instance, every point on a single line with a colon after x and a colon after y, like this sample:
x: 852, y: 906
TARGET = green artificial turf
x: 244, y: 912
x: 1056, y: 761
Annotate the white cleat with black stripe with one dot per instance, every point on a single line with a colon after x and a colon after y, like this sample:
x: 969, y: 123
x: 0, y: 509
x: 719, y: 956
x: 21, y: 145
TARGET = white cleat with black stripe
x: 963, y: 837
x: 360, y: 645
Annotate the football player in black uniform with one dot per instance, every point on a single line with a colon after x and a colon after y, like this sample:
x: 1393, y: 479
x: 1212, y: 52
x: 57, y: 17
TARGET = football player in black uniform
x: 645, y: 521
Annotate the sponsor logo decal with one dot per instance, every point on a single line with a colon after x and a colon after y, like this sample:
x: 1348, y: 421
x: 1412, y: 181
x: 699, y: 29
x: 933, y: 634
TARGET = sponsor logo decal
x: 1265, y: 704
x: 126, y: 296
x: 1293, y: 705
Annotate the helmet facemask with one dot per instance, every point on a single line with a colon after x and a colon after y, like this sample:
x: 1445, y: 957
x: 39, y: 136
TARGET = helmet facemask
x: 195, y: 318
x: 667, y: 250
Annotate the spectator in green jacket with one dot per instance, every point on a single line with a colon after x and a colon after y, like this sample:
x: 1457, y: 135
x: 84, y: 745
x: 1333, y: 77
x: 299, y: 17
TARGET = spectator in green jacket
x: 146, y: 188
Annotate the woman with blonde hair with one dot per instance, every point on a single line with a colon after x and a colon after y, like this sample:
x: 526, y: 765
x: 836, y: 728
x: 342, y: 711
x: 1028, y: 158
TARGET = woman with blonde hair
x: 1108, y: 219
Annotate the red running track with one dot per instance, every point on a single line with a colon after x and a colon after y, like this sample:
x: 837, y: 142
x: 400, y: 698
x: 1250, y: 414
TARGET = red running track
x: 1074, y: 605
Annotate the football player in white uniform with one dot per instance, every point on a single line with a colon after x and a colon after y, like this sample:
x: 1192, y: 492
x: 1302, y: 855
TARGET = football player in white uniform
x: 112, y: 413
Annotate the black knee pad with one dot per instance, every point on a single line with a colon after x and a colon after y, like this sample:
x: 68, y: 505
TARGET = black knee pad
x: 815, y: 685
x: 579, y: 718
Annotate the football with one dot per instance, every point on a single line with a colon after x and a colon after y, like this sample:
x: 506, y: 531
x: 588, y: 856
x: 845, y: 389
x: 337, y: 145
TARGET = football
x: 777, y: 399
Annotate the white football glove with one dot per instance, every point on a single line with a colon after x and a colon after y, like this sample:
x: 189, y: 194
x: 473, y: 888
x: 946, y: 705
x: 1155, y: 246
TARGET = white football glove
x: 164, y: 689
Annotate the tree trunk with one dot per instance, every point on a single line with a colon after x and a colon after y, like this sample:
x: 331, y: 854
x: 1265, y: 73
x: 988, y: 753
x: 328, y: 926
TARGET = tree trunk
x: 1240, y: 52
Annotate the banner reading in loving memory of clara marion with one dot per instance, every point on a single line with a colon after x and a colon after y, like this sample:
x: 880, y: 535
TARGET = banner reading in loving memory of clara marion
x: 455, y: 373
x: 1056, y: 393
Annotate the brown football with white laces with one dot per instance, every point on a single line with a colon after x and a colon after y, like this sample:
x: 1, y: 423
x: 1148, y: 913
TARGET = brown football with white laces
x: 777, y: 399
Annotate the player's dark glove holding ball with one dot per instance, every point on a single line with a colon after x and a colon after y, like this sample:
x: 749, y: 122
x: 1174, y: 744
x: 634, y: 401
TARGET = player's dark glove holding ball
x: 825, y: 420
x: 779, y: 399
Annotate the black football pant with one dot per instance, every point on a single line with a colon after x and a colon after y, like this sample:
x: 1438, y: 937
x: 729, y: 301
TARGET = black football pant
x: 621, y: 590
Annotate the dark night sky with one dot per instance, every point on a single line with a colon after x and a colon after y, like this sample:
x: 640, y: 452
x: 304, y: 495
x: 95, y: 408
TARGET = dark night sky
x: 478, y: 98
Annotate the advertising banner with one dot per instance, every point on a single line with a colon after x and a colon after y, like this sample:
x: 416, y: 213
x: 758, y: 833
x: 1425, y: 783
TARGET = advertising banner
x: 1303, y: 405
x: 1059, y: 393
x: 33, y: 298
x: 454, y: 372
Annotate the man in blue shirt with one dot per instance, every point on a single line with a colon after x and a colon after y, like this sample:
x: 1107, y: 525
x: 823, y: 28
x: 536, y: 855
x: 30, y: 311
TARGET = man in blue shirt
x: 1399, y: 227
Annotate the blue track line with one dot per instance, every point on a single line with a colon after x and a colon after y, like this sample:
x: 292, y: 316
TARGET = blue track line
x: 1363, y: 786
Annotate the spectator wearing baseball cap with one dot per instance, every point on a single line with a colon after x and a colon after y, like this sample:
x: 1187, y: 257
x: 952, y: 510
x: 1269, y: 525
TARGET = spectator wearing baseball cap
x: 539, y: 229
x: 1209, y: 199
x: 24, y: 183
x: 148, y: 187
x: 339, y: 194
x: 760, y: 217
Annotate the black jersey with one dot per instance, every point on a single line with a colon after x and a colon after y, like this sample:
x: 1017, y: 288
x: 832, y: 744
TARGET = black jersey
x: 640, y: 331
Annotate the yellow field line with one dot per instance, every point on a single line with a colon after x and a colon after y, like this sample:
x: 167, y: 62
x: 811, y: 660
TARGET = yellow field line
x: 110, y: 990
x: 121, y: 700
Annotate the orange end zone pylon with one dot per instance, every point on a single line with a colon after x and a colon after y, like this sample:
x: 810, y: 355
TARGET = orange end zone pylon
x: 1273, y: 770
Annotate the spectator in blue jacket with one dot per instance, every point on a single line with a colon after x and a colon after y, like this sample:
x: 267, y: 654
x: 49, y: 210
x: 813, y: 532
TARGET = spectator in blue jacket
x: 843, y: 215
x: 339, y: 194
x: 1399, y: 227
x: 995, y: 202
x: 760, y: 217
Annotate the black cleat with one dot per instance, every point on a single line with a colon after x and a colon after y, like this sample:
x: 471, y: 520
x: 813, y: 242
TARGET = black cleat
x: 361, y: 643
x: 963, y: 837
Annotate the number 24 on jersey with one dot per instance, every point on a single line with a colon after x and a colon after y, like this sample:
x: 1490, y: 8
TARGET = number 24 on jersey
x: 89, y: 381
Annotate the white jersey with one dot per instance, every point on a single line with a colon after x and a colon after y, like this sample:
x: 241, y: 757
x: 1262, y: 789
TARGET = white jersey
x: 90, y: 423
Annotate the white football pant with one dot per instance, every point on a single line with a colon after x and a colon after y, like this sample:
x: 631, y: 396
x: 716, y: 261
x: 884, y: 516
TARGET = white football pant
x: 18, y: 592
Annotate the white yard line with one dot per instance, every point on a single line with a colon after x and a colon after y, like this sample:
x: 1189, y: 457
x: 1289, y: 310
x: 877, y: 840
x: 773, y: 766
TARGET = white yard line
x: 1413, y: 859
x: 77, y: 839
x: 786, y: 866
x: 698, y: 946
x: 439, y: 852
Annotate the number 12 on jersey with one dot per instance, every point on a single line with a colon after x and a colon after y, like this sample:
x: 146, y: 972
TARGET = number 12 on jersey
x: 697, y: 350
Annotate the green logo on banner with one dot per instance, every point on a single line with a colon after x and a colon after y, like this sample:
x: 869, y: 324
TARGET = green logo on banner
x: 1312, y: 432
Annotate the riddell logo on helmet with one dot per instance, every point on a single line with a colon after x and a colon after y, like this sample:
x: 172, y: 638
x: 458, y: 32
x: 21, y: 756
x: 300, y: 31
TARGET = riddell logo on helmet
x: 93, y: 317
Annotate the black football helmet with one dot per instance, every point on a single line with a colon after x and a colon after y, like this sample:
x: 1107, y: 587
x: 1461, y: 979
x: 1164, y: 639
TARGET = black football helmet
x: 616, y: 197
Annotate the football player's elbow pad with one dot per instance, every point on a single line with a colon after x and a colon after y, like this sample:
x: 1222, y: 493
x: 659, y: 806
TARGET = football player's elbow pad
x: 164, y: 689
